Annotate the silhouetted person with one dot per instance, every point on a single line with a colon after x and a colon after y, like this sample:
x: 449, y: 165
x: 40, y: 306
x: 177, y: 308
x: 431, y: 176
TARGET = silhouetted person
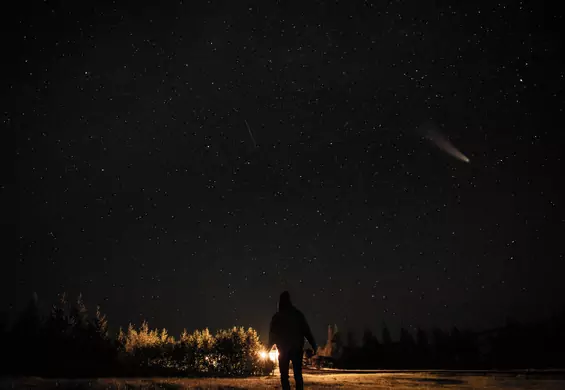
x: 287, y: 331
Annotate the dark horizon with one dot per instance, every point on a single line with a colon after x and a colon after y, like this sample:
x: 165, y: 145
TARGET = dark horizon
x: 186, y: 163
x: 45, y: 310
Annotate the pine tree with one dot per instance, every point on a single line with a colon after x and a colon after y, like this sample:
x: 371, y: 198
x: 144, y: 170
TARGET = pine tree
x: 336, y: 344
x: 79, y: 314
x: 121, y: 339
x: 406, y: 338
x: 351, y: 343
x: 3, y: 340
x: 421, y: 338
x: 101, y: 324
x: 367, y: 337
x: 130, y: 339
x: 422, y: 346
x: 24, y: 339
x: 164, y: 336
x: 29, y: 320
x: 455, y: 347
x: 440, y: 347
x: 60, y: 313
x: 370, y: 342
x: 387, y: 340
x: 406, y: 351
x: 251, y: 355
x: 184, y: 336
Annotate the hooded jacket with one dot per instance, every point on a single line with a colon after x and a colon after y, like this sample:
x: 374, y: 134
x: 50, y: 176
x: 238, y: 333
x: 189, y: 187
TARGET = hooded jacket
x: 289, y: 327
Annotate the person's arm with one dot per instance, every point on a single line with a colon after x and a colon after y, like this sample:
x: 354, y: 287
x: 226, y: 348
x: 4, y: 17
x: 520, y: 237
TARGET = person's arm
x: 308, y: 334
x: 272, y: 334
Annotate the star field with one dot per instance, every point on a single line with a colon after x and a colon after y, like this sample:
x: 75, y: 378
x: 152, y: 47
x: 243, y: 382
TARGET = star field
x: 186, y: 162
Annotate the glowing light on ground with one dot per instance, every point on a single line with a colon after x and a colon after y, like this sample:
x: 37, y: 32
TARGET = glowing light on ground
x: 272, y: 355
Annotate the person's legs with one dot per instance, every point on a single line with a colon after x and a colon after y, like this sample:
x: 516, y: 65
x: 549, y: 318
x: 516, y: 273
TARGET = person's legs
x: 297, y: 369
x: 284, y: 361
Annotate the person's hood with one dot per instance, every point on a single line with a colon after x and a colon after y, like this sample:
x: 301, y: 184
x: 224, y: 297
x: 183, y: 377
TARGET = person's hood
x: 284, y: 301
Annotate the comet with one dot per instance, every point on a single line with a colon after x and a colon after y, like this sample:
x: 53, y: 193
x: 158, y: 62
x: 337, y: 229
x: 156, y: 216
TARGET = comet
x: 250, y: 133
x: 432, y: 133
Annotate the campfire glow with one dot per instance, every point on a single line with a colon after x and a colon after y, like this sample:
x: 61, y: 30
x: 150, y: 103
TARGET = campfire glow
x: 272, y: 355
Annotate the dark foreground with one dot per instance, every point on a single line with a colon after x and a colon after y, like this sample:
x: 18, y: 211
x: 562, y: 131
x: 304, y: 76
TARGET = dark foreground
x: 315, y: 380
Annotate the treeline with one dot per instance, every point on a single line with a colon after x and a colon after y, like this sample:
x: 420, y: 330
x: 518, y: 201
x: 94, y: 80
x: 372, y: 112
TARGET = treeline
x: 514, y: 346
x: 71, y: 342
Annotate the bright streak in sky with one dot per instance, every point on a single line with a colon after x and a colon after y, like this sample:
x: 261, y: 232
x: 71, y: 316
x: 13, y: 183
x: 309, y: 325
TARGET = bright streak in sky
x: 432, y: 133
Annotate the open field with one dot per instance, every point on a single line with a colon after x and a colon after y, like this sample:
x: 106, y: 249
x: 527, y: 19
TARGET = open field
x: 318, y: 380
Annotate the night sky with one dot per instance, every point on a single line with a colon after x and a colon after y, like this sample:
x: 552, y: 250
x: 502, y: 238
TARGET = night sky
x: 185, y: 162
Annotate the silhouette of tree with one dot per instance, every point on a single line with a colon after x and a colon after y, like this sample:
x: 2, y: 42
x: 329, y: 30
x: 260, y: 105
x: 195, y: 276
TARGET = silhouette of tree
x: 100, y: 324
x: 454, y: 352
x: 506, y: 352
x: 79, y: 314
x: 406, y: 337
x: 407, y: 348
x: 68, y: 342
x: 102, y: 349
x: 351, y: 352
x: 422, y: 349
x: 233, y: 350
x: 439, y: 348
x: 463, y: 351
x: 387, y: 340
x: 351, y: 342
x: 25, y: 338
x: 57, y: 333
x: 252, y: 349
x: 4, y: 341
x: 469, y: 350
x: 369, y: 349
x: 367, y: 340
x: 29, y: 321
x: 60, y: 314
x: 336, y: 343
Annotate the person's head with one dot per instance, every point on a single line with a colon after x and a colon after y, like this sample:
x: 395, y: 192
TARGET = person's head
x: 284, y: 300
